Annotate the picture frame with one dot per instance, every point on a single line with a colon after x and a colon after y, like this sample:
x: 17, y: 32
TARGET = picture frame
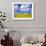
x: 22, y: 10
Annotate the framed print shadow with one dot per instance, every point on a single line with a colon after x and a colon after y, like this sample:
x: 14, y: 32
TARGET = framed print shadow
x: 22, y: 11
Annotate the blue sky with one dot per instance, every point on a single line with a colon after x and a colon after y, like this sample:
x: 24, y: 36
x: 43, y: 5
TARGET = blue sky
x: 23, y: 8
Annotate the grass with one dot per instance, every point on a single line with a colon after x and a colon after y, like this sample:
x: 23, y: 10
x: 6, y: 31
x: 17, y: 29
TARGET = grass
x: 23, y: 15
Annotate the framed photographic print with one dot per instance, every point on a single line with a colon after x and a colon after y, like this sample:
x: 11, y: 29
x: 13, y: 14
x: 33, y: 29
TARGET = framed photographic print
x: 22, y: 11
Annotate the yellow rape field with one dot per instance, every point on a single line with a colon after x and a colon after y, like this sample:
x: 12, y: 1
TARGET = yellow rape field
x: 23, y: 16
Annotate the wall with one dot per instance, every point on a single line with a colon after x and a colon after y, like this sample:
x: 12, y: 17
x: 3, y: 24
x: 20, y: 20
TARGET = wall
x: 39, y: 13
